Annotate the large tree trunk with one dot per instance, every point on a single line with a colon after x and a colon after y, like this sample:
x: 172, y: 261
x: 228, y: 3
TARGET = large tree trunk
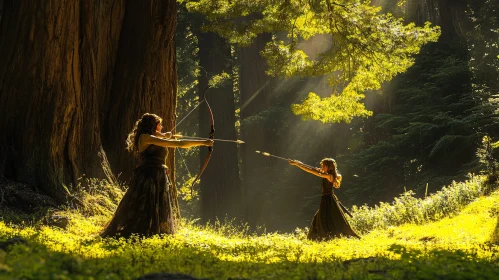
x: 452, y: 17
x: 71, y: 68
x: 449, y: 15
x: 145, y: 79
x: 57, y: 56
x: 220, y: 189
x: 419, y: 12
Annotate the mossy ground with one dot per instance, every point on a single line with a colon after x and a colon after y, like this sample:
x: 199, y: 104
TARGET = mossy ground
x: 464, y: 245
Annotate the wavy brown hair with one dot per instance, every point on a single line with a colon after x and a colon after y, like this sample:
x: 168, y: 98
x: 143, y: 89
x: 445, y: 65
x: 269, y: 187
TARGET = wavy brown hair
x: 146, y: 124
x: 333, y: 169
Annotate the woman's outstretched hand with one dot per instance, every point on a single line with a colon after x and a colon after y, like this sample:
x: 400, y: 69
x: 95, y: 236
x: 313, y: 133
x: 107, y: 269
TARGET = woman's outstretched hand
x: 294, y: 162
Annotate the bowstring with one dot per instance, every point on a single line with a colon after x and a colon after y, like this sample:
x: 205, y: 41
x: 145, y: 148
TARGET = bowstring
x: 178, y: 123
x: 183, y: 161
x: 190, y: 112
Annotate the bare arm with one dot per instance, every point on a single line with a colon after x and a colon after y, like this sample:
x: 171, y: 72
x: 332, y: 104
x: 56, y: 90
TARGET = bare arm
x: 312, y: 170
x: 146, y: 140
x: 166, y: 135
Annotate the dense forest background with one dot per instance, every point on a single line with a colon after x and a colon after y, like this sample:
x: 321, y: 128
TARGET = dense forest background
x: 95, y: 66
x: 426, y: 127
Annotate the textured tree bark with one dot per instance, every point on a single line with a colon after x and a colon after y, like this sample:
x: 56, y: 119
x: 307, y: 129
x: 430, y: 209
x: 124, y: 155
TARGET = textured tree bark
x: 48, y: 92
x: 75, y: 73
x: 419, y: 11
x: 100, y: 27
x: 452, y: 17
x: 220, y: 190
x: 447, y: 14
x: 144, y: 81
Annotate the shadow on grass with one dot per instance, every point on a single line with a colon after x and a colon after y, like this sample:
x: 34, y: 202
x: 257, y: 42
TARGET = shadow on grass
x: 130, y: 260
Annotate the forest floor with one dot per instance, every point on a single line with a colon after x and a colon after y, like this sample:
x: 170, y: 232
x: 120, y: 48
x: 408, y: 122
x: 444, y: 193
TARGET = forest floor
x: 464, y: 246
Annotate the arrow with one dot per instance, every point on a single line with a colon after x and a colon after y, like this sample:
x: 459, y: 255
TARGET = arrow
x: 201, y: 138
x: 269, y: 155
x: 287, y: 159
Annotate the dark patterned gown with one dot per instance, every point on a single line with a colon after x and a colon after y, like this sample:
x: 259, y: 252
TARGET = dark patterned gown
x: 329, y: 221
x: 146, y: 207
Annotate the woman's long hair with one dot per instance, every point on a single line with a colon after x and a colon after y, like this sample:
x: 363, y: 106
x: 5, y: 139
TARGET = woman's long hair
x: 333, y: 169
x: 146, y: 124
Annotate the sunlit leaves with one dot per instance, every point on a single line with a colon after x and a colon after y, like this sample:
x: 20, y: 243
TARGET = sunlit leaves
x: 278, y: 53
x: 219, y: 80
x: 335, y: 108
x: 367, y: 48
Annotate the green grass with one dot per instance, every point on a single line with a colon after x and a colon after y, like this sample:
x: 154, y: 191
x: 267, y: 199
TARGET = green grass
x: 408, y: 209
x: 462, y: 244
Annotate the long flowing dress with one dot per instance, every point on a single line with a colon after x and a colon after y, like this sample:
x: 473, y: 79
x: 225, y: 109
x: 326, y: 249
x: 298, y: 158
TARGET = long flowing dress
x: 146, y: 207
x: 329, y: 221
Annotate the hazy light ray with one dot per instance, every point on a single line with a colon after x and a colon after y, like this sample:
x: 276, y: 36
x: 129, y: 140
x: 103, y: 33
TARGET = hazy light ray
x: 254, y: 95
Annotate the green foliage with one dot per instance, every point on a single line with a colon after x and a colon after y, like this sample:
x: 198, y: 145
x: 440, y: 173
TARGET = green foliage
x: 219, y: 80
x: 366, y: 49
x: 429, y: 122
x: 409, y: 209
x: 315, y: 108
x: 431, y: 133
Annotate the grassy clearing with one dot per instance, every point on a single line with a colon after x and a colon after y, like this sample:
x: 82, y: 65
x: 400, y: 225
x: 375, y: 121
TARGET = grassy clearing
x: 464, y: 245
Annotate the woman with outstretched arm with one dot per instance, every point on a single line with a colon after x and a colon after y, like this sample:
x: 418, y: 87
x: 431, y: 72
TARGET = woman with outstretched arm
x: 329, y: 221
x: 146, y: 207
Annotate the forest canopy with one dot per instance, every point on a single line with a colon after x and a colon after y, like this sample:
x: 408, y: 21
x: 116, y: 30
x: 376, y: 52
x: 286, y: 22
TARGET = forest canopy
x: 366, y: 47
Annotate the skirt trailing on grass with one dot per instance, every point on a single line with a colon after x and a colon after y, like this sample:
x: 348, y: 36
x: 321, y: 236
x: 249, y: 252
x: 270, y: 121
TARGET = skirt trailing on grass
x: 329, y: 221
x: 146, y: 207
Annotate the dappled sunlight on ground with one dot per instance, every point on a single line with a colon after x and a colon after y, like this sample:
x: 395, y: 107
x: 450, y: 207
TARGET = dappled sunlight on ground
x: 465, y: 240
x: 473, y: 224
